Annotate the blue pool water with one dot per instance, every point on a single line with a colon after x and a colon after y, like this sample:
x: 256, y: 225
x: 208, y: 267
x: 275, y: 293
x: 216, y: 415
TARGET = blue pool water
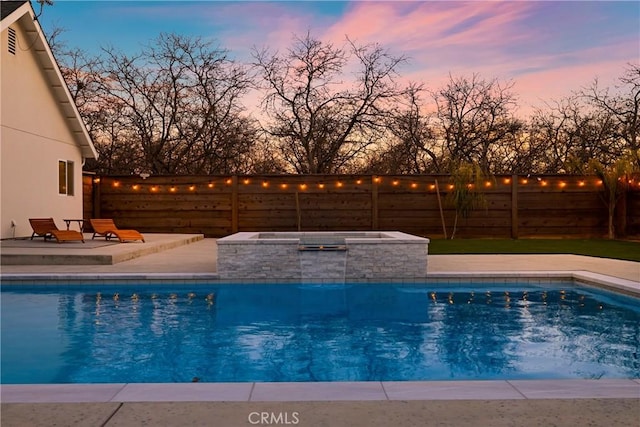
x: 365, y: 332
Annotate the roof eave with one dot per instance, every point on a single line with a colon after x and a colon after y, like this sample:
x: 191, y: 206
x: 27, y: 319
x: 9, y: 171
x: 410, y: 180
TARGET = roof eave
x: 50, y: 67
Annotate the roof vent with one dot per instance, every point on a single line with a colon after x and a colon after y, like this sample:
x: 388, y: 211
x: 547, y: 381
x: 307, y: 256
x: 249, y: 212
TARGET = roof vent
x: 12, y: 41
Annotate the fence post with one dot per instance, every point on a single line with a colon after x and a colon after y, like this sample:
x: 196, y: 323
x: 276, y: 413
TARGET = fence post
x: 96, y: 183
x: 374, y: 203
x: 234, y: 204
x: 514, y: 206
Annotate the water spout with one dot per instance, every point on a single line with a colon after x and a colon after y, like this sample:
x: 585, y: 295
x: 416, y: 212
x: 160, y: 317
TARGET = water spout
x: 322, y: 261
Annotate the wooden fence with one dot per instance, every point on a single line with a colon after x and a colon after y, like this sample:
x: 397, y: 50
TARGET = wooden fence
x: 517, y: 206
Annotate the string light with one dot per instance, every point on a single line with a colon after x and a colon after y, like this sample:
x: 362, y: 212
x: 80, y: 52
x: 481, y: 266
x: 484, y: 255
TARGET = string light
x: 396, y: 182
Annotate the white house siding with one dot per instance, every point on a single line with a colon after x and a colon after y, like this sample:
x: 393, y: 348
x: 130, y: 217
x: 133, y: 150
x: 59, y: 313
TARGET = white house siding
x: 34, y: 135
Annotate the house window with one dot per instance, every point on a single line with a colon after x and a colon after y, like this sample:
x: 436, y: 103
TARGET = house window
x: 12, y: 41
x: 65, y: 177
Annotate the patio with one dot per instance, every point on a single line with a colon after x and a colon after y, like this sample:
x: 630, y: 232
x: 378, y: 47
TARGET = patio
x: 99, y: 251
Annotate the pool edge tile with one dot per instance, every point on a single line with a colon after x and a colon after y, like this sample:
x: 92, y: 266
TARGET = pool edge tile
x: 320, y: 391
x: 577, y: 388
x: 59, y: 393
x: 451, y: 390
x: 184, y: 392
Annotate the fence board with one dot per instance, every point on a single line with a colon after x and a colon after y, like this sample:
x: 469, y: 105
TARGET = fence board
x: 217, y: 205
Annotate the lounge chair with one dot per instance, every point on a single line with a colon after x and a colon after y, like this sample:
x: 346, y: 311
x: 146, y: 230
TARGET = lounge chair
x: 47, y: 228
x: 107, y: 228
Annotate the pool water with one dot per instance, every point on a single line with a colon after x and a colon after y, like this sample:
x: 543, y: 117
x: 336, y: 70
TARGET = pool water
x: 360, y: 332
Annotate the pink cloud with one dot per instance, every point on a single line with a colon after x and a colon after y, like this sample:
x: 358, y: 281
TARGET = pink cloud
x: 495, y: 39
x: 263, y: 24
x: 483, y: 37
x: 546, y: 86
x: 414, y: 27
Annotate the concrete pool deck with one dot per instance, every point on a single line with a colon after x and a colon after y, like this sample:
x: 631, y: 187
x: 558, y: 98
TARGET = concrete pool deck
x: 495, y: 403
x: 194, y: 255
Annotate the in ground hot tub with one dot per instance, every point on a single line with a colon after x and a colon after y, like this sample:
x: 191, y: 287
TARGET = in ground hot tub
x: 322, y: 256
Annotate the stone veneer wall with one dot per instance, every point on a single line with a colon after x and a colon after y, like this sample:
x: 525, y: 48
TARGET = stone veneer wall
x: 387, y: 261
x: 369, y: 257
x: 259, y: 260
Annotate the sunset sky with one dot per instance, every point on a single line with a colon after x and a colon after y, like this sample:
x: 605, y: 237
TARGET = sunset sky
x: 547, y: 48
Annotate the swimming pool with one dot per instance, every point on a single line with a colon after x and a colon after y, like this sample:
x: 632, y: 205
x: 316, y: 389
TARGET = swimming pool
x: 274, y: 333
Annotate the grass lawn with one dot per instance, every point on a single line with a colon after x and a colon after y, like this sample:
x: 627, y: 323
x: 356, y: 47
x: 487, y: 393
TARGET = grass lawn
x: 619, y: 249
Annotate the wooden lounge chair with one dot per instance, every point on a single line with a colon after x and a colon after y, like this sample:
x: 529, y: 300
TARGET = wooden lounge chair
x: 47, y: 228
x: 107, y: 228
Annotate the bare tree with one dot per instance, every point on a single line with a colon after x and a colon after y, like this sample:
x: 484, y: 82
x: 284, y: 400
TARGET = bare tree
x: 475, y: 116
x: 173, y: 108
x: 622, y: 104
x: 105, y: 120
x: 320, y: 120
x: 553, y: 131
x: 518, y: 153
x: 413, y: 146
x: 266, y: 159
x: 568, y: 134
x: 79, y: 71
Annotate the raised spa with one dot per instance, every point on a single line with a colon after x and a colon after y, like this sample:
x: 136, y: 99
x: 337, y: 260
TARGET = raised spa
x: 322, y: 256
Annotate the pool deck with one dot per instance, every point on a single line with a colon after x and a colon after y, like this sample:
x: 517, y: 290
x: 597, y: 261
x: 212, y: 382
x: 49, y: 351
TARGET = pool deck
x: 456, y: 403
